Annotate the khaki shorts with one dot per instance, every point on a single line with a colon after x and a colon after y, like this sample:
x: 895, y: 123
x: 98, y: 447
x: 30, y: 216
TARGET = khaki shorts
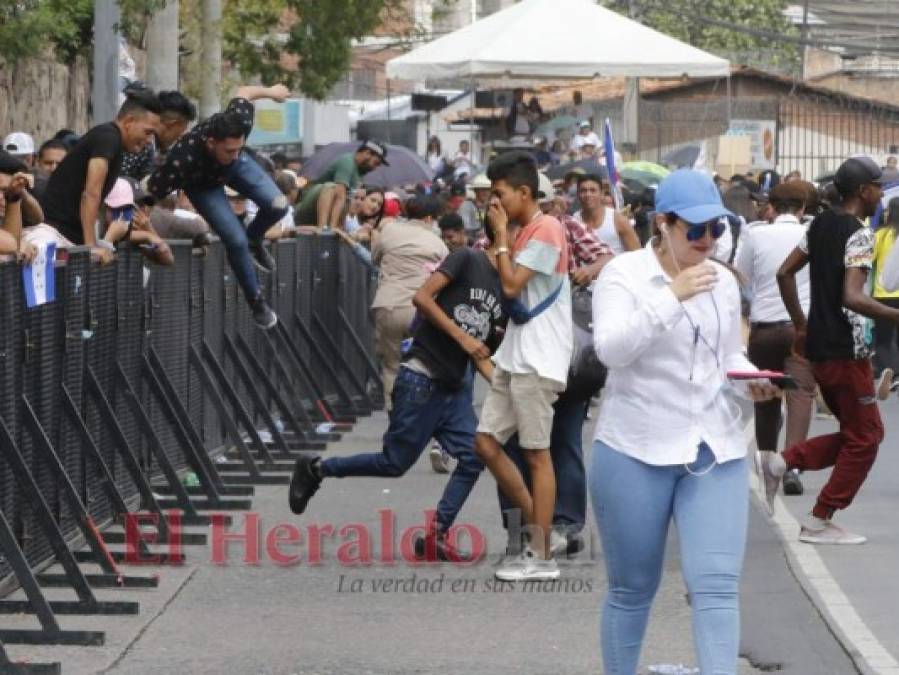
x: 521, y: 402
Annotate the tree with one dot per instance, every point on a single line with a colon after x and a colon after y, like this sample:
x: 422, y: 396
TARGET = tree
x: 739, y: 30
x: 312, y: 49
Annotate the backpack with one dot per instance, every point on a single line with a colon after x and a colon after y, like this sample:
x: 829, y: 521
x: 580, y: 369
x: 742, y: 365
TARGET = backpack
x: 587, y: 374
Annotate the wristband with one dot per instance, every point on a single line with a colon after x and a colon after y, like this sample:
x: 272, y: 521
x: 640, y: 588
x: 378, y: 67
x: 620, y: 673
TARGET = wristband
x: 502, y: 249
x: 14, y: 198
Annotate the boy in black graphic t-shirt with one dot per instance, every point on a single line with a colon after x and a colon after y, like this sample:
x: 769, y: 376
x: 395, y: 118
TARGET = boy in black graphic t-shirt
x: 432, y: 398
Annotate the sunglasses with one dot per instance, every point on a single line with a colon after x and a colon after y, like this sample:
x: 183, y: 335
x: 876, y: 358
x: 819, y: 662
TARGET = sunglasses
x: 713, y: 227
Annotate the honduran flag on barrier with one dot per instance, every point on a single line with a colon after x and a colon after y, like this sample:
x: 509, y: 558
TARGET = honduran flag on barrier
x: 39, y: 278
x: 614, y: 179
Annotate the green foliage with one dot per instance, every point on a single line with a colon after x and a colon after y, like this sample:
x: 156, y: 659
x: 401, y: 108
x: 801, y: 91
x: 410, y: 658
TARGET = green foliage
x: 723, y: 27
x: 30, y: 27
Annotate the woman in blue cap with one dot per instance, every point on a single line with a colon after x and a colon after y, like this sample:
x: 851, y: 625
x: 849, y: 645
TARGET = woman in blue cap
x: 669, y: 441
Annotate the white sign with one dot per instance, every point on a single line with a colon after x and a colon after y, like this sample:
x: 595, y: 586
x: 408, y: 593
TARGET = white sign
x: 763, y: 141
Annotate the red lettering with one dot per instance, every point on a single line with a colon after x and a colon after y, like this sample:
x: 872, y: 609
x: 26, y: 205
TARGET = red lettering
x: 134, y: 536
x: 316, y: 532
x: 356, y: 551
x: 221, y: 537
x: 388, y: 545
x: 291, y: 535
x: 476, y: 538
x: 407, y: 548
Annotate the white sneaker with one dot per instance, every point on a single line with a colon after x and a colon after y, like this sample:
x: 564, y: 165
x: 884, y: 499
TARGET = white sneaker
x: 771, y: 467
x: 884, y: 383
x: 528, y: 567
x: 558, y: 543
x: 831, y: 534
x: 440, y: 459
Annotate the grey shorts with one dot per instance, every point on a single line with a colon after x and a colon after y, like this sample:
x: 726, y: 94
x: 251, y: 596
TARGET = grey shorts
x: 521, y: 402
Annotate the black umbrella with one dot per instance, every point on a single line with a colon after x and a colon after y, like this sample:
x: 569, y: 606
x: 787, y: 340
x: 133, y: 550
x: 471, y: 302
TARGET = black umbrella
x: 406, y: 168
x: 684, y: 156
x: 589, y: 165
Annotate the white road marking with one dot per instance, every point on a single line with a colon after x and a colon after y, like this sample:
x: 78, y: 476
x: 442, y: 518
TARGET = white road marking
x: 862, y: 645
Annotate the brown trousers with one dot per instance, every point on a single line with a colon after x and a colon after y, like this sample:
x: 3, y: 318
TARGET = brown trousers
x: 770, y: 348
x: 391, y: 328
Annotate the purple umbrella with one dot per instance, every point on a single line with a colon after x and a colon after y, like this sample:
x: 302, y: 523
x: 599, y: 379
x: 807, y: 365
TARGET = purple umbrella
x: 406, y: 168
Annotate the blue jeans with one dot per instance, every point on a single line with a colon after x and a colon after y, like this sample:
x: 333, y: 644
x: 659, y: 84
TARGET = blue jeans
x: 423, y: 409
x: 248, y: 178
x: 634, y: 502
x: 567, y: 455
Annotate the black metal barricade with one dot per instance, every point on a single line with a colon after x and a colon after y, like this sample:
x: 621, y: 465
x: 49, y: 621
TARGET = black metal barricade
x: 135, y: 376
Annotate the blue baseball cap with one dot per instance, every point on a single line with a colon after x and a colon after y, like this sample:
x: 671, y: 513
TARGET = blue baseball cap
x: 691, y: 195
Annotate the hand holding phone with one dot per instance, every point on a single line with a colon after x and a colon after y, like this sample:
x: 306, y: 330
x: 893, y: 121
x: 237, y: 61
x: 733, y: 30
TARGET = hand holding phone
x: 778, y: 379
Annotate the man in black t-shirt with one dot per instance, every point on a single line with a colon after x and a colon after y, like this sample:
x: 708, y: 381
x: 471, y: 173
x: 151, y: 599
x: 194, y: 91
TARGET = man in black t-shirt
x: 837, y: 339
x: 432, y: 396
x: 72, y: 199
x: 211, y: 156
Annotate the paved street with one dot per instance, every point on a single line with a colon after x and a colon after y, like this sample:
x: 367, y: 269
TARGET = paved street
x: 333, y: 618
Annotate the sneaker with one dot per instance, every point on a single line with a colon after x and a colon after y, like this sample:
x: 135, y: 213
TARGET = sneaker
x: 263, y: 315
x: 558, y: 543
x: 831, y: 534
x: 440, y: 459
x: 884, y: 382
x: 771, y: 467
x: 528, y: 567
x: 261, y: 257
x: 434, y: 547
x: 304, y: 482
x: 792, y: 483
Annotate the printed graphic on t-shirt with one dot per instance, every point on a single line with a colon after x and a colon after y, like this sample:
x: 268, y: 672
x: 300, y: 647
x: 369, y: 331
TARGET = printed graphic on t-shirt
x: 474, y: 316
x: 860, y: 253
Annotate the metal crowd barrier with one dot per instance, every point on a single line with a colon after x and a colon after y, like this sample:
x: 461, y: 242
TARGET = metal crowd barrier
x: 136, y: 376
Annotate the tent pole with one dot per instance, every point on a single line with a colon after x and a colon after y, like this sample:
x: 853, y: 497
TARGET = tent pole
x: 729, y: 104
x: 389, y: 121
x: 471, y: 127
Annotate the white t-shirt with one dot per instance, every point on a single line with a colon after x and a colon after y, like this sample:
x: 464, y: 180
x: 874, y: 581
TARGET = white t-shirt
x: 580, y: 140
x: 762, y: 250
x: 542, y: 345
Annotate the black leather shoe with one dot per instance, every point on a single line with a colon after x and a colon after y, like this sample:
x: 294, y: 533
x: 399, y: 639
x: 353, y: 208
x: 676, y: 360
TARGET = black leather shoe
x: 792, y: 483
x: 304, y: 482
x: 434, y: 547
x: 263, y: 315
x: 261, y: 257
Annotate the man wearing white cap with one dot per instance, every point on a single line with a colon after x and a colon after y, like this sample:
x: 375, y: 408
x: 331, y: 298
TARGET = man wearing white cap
x: 586, y: 140
x: 21, y: 146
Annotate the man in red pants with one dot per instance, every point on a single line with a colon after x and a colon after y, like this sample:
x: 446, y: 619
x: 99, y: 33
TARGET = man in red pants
x: 837, y: 339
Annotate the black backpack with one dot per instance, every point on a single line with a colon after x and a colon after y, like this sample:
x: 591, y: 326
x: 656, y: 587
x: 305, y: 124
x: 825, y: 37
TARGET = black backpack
x: 587, y: 374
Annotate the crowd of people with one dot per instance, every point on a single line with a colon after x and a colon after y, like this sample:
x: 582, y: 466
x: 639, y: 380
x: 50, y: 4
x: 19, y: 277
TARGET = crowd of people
x: 669, y: 307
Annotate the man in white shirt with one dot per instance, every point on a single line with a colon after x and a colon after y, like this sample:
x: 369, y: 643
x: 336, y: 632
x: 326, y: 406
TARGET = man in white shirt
x: 763, y: 248
x: 585, y: 141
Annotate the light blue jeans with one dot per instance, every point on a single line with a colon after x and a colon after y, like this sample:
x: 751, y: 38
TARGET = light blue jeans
x: 634, y: 502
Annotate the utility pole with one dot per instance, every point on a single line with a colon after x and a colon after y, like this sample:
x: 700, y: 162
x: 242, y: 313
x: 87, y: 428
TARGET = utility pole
x: 804, y: 36
x: 105, y: 89
x: 162, y: 48
x: 210, y: 95
x: 630, y: 128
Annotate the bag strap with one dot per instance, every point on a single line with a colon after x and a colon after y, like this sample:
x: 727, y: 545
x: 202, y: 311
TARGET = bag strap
x: 544, y: 304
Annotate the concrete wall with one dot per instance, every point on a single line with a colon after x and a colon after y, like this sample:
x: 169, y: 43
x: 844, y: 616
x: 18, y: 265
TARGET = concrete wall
x: 42, y: 96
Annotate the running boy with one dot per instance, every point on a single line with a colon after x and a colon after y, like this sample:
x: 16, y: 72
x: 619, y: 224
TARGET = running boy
x: 532, y: 362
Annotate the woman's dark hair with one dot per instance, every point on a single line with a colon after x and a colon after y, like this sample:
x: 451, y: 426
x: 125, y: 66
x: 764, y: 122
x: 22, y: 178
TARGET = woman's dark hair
x: 432, y: 142
x: 176, y: 103
x: 892, y: 215
x: 517, y: 168
x: 423, y: 206
x: 375, y: 220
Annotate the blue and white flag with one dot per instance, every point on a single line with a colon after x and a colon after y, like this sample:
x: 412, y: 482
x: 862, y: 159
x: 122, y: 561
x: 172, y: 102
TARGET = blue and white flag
x: 39, y: 277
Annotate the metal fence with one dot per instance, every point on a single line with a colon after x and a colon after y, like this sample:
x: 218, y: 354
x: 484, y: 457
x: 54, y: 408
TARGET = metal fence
x: 136, y: 376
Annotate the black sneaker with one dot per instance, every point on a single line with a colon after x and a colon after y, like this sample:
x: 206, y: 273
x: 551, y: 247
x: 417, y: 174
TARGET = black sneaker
x: 792, y: 483
x: 433, y: 547
x: 261, y: 257
x: 304, y: 482
x: 263, y: 314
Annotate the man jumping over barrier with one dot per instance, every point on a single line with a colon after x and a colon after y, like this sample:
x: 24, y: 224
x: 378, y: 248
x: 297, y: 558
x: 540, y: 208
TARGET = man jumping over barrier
x: 208, y: 158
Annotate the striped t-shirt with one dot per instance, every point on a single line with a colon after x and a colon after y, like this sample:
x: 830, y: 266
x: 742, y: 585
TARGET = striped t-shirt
x: 543, y: 344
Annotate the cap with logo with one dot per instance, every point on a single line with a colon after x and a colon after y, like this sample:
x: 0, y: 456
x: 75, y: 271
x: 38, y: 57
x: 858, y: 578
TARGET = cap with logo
x: 377, y: 148
x: 691, y: 195
x: 19, y: 143
x: 856, y: 172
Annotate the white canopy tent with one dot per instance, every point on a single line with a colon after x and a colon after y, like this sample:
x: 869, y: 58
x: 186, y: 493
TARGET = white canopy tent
x: 554, y: 39
x: 539, y: 40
